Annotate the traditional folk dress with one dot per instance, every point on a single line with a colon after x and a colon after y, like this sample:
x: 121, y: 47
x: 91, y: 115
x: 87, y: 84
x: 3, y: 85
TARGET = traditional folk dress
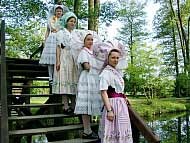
x: 65, y: 80
x: 48, y: 56
x: 119, y: 130
x: 88, y: 99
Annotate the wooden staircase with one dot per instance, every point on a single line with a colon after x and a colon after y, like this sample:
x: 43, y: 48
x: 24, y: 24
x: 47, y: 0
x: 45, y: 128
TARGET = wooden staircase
x: 22, y: 117
x: 26, y: 117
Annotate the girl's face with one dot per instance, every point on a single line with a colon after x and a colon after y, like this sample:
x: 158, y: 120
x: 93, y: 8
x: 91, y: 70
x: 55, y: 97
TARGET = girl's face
x: 88, y: 41
x: 71, y: 23
x: 113, y: 58
x: 58, y: 12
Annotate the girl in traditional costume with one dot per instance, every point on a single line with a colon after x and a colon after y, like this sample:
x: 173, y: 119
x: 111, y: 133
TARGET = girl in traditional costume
x: 48, y: 56
x: 66, y: 74
x: 88, y: 101
x: 115, y: 125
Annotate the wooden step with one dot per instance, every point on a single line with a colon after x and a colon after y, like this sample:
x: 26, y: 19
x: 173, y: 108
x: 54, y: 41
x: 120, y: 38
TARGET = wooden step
x: 77, y: 140
x: 33, y: 95
x: 14, y: 118
x: 27, y: 67
x: 34, y: 105
x: 39, y: 95
x: 26, y: 86
x: 29, y: 73
x: 23, y: 61
x: 47, y: 130
x: 23, y: 79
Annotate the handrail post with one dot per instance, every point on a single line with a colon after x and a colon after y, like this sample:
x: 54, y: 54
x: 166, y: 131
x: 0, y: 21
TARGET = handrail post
x: 3, y: 92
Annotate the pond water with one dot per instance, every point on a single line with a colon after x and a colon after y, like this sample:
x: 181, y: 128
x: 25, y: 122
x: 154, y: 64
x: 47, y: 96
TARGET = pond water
x: 171, y: 128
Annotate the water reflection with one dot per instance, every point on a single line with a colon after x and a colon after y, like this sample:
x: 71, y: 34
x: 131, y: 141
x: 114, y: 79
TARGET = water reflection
x: 171, y: 128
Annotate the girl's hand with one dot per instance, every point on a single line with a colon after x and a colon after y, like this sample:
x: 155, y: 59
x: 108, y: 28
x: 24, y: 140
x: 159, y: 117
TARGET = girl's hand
x: 54, y: 30
x: 127, y: 101
x: 110, y: 115
x: 58, y: 66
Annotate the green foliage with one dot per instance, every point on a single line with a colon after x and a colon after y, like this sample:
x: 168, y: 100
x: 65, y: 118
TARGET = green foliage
x: 40, y: 90
x: 24, y: 20
x: 108, y: 12
x: 17, y: 13
x: 132, y: 16
x: 183, y: 83
x: 24, y: 40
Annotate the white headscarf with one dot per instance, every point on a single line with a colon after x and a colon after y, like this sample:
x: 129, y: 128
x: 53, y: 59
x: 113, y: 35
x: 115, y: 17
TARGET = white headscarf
x: 78, y: 40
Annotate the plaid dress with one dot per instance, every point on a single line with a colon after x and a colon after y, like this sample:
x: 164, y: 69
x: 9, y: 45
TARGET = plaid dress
x: 65, y: 80
x: 48, y: 56
x: 88, y: 100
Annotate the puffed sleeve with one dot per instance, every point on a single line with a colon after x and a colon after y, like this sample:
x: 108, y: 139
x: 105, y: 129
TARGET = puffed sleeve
x: 104, y: 80
x: 59, y: 38
x: 83, y: 57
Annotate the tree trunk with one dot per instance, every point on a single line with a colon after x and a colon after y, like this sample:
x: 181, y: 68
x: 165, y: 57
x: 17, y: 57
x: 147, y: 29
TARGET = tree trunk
x: 184, y: 37
x: 77, y: 5
x: 91, y: 14
x: 97, y: 13
x: 180, y: 33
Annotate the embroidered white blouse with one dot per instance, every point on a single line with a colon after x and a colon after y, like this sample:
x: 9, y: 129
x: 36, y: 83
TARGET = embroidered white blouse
x: 111, y: 77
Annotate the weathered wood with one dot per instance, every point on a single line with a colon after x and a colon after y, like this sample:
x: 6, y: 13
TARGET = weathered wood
x: 143, y: 127
x: 23, y: 79
x: 46, y: 130
x: 77, y: 140
x: 30, y: 73
x: 34, y: 105
x: 14, y: 118
x: 31, y: 95
x: 3, y: 92
x: 27, y: 86
x: 40, y: 95
x: 0, y: 109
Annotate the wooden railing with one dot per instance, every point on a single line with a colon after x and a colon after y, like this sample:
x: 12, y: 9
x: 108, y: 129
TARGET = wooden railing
x: 4, y: 113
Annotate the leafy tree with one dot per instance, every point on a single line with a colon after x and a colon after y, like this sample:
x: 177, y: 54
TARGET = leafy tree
x: 133, y: 17
x: 172, y: 31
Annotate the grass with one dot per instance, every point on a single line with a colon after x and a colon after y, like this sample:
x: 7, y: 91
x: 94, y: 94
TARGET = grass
x: 144, y: 108
x: 159, y: 106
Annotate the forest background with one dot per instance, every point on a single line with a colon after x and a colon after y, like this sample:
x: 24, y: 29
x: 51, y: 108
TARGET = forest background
x: 154, y: 70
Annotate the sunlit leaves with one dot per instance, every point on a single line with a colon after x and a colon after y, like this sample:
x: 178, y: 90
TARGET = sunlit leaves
x: 109, y: 12
x: 17, y: 13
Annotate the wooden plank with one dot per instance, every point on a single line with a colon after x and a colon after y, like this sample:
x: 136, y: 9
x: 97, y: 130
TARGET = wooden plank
x: 0, y: 109
x: 77, y: 140
x: 13, y: 118
x: 39, y: 95
x: 146, y: 131
x: 16, y: 60
x: 31, y: 95
x: 29, y: 73
x: 26, y: 86
x: 46, y: 130
x: 3, y: 92
x: 24, y: 79
x: 34, y: 105
x: 26, y: 67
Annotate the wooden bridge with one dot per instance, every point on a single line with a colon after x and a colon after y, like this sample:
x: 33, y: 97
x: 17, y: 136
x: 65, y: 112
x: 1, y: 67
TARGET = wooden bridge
x: 18, y: 118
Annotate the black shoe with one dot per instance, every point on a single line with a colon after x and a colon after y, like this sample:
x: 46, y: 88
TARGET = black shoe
x: 68, y: 111
x: 51, y: 82
x: 90, y: 136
